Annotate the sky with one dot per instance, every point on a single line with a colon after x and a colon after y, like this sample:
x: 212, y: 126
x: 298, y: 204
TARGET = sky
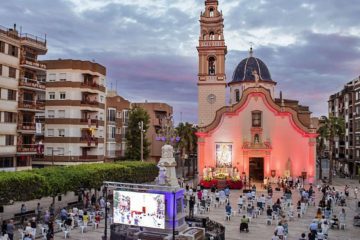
x: 312, y: 48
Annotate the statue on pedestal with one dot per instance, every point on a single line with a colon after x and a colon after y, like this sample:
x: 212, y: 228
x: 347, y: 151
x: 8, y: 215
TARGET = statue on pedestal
x: 166, y: 165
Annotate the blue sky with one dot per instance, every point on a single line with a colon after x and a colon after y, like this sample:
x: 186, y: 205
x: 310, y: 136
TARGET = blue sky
x: 312, y: 48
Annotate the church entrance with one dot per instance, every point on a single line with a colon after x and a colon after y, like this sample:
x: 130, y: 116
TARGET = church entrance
x: 256, y: 169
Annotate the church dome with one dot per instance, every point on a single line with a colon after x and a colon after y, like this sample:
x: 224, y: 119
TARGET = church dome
x: 245, y: 70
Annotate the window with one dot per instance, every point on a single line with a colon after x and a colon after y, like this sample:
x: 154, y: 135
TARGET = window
x: 211, y: 66
x: 61, y: 114
x: 212, y: 36
x: 125, y: 116
x: 9, y: 140
x: 11, y: 95
x: 51, y: 95
x: 12, y: 72
x: 62, y: 95
x: 60, y: 151
x: 2, y: 47
x: 51, y: 113
x: 112, y: 132
x: 62, y: 76
x: 13, y: 51
x: 49, y: 150
x: 52, y: 77
x: 256, y: 119
x: 111, y: 115
x: 0, y: 70
x: 211, y: 12
x: 9, y: 117
x: 61, y: 132
x: 101, y: 98
x: 50, y: 132
x: 6, y: 162
x: 237, y: 95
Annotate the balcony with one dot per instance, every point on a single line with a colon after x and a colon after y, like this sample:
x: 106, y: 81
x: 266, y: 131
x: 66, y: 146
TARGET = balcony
x: 92, y: 85
x: 90, y: 122
x: 27, y: 126
x: 32, y: 84
x: 93, y: 103
x: 90, y: 157
x: 32, y: 64
x: 32, y: 105
x: 91, y: 141
x: 27, y: 148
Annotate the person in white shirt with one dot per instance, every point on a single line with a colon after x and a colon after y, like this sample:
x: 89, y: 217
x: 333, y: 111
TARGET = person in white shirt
x: 356, y: 190
x: 279, y: 230
x: 240, y: 203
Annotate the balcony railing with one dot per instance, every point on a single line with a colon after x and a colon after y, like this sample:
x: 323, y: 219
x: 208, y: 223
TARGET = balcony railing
x: 27, y: 126
x: 36, y: 105
x: 27, y: 82
x: 33, y: 63
x: 90, y: 122
x: 34, y: 39
x: 90, y: 140
x: 88, y: 157
x: 90, y: 102
x: 92, y: 85
x: 27, y: 148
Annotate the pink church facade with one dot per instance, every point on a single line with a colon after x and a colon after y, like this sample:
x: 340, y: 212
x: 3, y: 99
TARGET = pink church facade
x: 277, y: 143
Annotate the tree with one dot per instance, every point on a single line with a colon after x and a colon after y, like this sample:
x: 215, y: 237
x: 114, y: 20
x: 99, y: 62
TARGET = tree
x: 133, y: 137
x: 333, y: 127
x: 320, y: 153
x: 187, y: 143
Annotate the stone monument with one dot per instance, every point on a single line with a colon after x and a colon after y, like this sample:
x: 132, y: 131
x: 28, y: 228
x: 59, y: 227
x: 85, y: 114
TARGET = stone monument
x: 166, y: 165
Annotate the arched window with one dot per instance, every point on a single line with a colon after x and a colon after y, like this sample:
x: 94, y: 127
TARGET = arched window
x: 211, y: 12
x: 237, y: 95
x: 256, y: 119
x: 211, y: 66
x: 212, y: 36
x: 204, y: 36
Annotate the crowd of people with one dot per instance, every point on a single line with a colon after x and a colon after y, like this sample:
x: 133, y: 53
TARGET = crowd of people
x: 330, y: 214
x: 66, y: 219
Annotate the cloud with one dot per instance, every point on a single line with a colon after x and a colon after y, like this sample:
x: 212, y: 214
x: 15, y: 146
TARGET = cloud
x: 149, y: 46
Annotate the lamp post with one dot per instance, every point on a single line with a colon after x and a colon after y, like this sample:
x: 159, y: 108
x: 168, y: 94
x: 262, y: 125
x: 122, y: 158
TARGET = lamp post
x: 141, y: 127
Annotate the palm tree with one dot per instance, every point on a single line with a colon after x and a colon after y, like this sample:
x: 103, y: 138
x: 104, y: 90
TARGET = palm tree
x: 333, y: 127
x: 320, y: 153
x: 186, y: 145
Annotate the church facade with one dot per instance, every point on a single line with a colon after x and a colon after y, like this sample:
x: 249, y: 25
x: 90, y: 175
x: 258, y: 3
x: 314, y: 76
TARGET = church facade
x: 257, y: 135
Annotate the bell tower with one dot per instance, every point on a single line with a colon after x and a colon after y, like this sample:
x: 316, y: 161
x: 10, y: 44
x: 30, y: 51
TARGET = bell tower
x: 212, y: 51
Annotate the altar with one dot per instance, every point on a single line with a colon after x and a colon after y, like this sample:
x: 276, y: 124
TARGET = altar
x: 221, y: 173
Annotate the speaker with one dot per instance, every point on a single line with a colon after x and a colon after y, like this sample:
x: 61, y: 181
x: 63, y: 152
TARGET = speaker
x: 59, y: 198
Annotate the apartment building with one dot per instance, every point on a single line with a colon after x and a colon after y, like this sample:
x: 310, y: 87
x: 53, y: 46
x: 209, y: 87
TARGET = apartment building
x: 157, y: 112
x: 346, y: 104
x: 75, y: 113
x: 117, y: 109
x: 22, y: 103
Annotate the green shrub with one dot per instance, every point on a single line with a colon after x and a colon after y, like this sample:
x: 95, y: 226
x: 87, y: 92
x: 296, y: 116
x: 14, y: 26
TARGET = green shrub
x: 51, y: 181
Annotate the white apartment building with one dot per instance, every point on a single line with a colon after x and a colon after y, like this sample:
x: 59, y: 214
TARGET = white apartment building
x: 74, y: 113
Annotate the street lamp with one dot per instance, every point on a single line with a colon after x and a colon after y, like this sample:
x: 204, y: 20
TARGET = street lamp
x: 141, y: 127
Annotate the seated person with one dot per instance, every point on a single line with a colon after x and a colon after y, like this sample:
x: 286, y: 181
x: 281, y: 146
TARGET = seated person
x: 244, y: 224
x: 334, y: 222
x: 249, y: 210
x: 228, y: 209
x: 269, y: 212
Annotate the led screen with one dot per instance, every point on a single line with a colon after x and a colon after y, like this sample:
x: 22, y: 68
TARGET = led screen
x: 139, y: 209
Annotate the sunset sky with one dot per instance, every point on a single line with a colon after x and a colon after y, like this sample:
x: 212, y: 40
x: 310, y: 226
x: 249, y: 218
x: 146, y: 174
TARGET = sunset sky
x: 312, y: 48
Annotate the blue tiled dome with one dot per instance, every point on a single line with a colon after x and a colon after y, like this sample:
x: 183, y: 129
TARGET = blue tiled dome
x: 244, y: 70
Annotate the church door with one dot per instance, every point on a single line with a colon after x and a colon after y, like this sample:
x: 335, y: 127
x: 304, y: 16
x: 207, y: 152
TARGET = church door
x: 256, y: 169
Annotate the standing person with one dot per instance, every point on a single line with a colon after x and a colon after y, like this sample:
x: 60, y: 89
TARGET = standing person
x: 50, y: 231
x: 93, y: 200
x: 191, y: 206
x: 22, y: 212
x: 356, y: 190
x: 279, y: 230
x: 10, y: 228
x: 38, y: 211
x: 47, y: 217
x: 52, y: 210
x: 3, y: 227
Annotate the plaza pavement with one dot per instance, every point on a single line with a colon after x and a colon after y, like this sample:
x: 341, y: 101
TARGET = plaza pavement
x: 258, y: 228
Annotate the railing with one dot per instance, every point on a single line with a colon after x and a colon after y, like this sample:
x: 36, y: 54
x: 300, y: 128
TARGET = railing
x: 27, y: 148
x: 92, y: 85
x: 212, y: 43
x: 9, y: 32
x: 88, y: 157
x: 90, y: 102
x: 38, y: 105
x: 91, y: 122
x: 32, y: 62
x: 90, y: 140
x: 27, y: 126
x: 34, y: 39
x: 27, y: 82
